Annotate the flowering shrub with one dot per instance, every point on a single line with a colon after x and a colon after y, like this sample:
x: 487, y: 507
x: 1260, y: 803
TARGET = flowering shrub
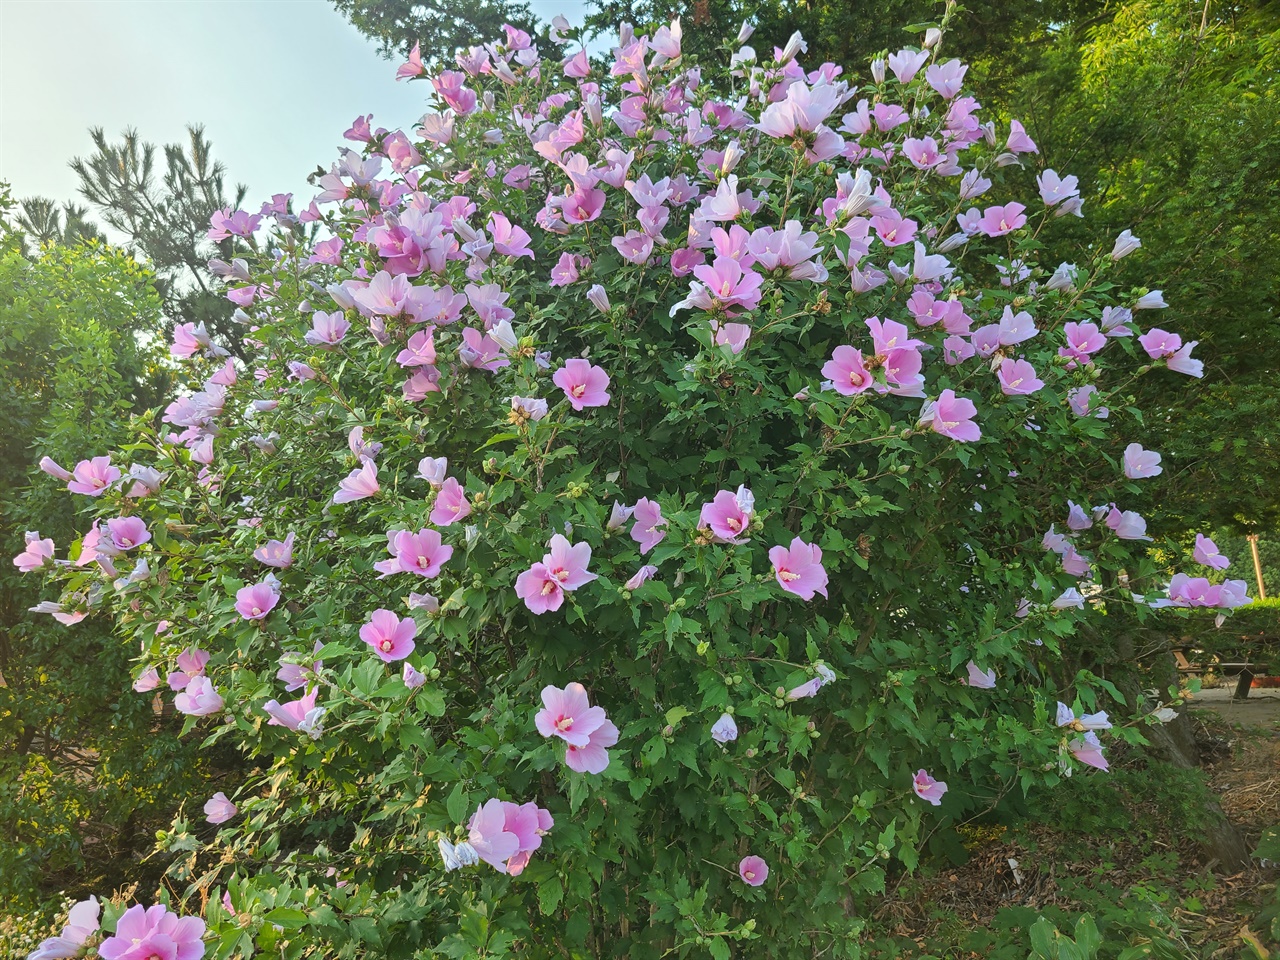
x: 650, y: 513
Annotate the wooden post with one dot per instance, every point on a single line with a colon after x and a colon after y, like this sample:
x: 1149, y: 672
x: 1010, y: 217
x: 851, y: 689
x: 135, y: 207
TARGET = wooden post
x: 1257, y: 566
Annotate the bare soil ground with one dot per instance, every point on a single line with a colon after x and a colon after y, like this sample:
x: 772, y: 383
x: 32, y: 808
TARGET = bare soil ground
x: 1043, y: 866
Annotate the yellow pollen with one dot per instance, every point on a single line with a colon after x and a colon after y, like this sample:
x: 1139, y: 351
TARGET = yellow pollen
x: 855, y: 379
x: 788, y: 576
x: 579, y: 390
x: 548, y: 587
x: 733, y: 524
x: 385, y: 645
x: 256, y: 611
x: 564, y: 723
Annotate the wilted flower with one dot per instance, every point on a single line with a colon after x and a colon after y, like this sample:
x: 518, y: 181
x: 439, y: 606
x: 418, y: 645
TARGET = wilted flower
x: 724, y: 729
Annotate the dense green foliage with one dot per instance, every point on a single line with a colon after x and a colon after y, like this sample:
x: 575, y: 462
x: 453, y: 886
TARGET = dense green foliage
x: 930, y: 533
x: 84, y: 763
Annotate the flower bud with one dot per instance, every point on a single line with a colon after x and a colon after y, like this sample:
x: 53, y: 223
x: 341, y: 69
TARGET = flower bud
x: 795, y: 45
x: 932, y: 37
x: 341, y: 296
x: 745, y: 31
x: 1125, y: 244
x: 733, y: 154
x: 599, y: 298
x: 877, y: 70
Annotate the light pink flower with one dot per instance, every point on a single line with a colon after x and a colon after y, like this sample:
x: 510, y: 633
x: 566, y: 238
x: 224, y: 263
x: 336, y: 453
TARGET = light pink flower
x: 728, y: 515
x: 489, y: 836
x: 1077, y: 518
x: 301, y: 714
x: 390, y: 637
x: 564, y: 567
x: 276, y: 553
x: 147, y: 681
x: 946, y: 78
x: 327, y: 329
x: 218, y: 809
x: 905, y: 64
x: 1019, y: 141
x: 423, y: 553
x: 846, y: 372
x: 82, y: 923
x: 123, y: 534
x: 566, y: 270
x: 594, y: 757
x: 648, y: 521
x: 927, y: 788
x: 360, y: 448
x: 420, y: 351
x: 1088, y: 750
x: 1018, y: 378
x: 952, y: 417
x: 433, y: 470
x: 451, y: 504
x: 257, y: 600
x: 199, y: 699
x: 413, y: 67
x: 753, y: 871
x: 1206, y: 553
x: 146, y: 932
x: 52, y: 468
x: 36, y: 554
x: 509, y: 240
x: 191, y: 664
x: 1140, y: 464
x: 568, y: 714
x: 640, y: 576
x: 584, y: 384
x: 997, y: 221
x: 823, y: 676
x: 977, y: 678
x: 358, y: 484
x: 385, y: 295
x: 1082, y: 403
x: 1182, y: 361
x: 1160, y: 344
x: 798, y: 569
x: 92, y: 477
x: 1127, y: 524
x: 529, y: 822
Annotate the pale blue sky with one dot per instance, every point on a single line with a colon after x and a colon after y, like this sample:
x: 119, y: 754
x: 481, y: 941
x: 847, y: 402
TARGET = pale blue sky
x: 275, y: 82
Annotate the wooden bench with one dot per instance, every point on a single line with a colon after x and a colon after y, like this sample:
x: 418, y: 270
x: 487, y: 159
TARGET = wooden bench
x: 1243, y: 670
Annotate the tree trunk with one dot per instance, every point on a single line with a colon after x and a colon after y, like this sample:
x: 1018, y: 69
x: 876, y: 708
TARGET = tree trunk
x: 1175, y: 742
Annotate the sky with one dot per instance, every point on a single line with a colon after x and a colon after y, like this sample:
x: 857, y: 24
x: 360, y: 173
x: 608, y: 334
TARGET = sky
x: 273, y: 82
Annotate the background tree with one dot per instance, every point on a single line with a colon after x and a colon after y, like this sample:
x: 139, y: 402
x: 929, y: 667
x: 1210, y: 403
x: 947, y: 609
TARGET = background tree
x: 164, y: 217
x: 43, y: 221
x: 440, y: 26
x: 86, y: 766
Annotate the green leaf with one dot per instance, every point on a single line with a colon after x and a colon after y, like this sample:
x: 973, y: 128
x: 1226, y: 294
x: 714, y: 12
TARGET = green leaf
x: 286, y: 917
